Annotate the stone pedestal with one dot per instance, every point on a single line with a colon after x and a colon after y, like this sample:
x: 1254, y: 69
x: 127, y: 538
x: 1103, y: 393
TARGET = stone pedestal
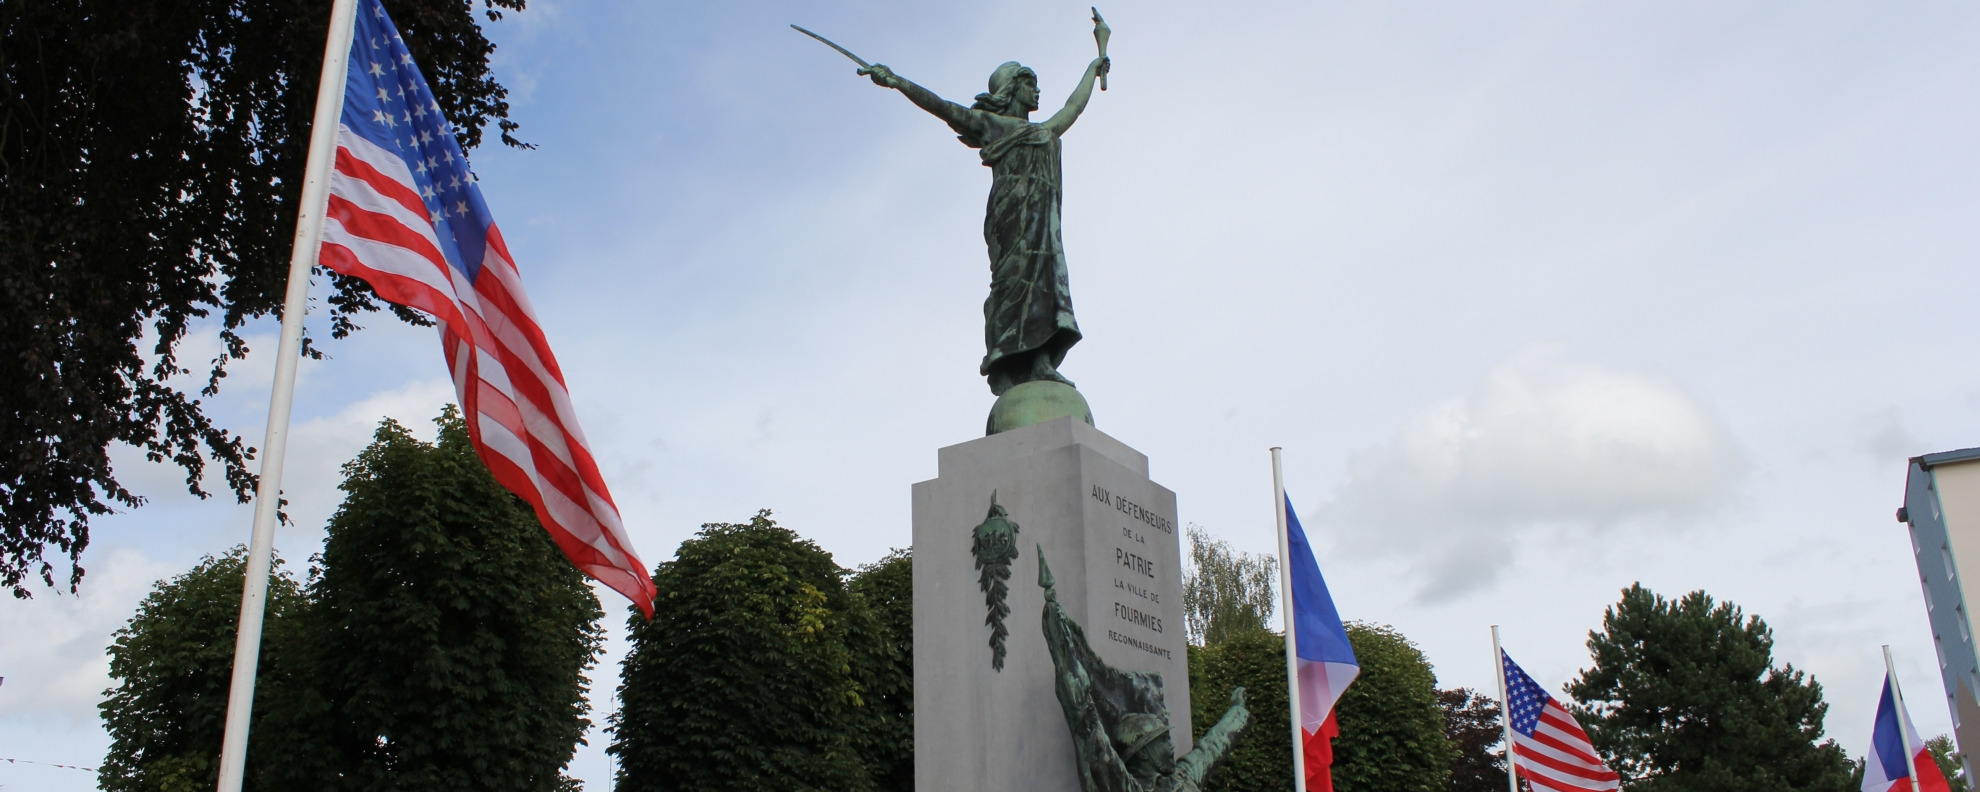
x: 1111, y: 538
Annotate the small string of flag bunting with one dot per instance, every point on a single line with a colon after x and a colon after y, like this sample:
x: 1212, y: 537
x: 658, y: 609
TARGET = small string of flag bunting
x: 46, y: 764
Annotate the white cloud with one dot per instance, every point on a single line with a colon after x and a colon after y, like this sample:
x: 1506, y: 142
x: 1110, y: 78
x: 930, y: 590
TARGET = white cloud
x: 1539, y: 442
x: 53, y: 659
x: 57, y: 668
x: 1886, y: 439
x: 319, y: 448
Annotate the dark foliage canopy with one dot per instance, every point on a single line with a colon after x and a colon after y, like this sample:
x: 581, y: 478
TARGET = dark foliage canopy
x: 1683, y: 697
x: 1392, y: 727
x: 749, y: 675
x: 886, y: 673
x: 440, y: 645
x: 1255, y: 660
x: 172, y: 663
x: 1471, y: 722
x: 151, y: 156
x: 446, y: 637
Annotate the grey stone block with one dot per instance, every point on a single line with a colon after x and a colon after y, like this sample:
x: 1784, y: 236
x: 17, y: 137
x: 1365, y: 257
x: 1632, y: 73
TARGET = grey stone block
x: 1111, y: 537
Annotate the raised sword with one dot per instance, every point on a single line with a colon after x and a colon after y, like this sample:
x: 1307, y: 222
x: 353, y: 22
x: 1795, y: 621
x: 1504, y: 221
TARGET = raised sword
x: 842, y: 50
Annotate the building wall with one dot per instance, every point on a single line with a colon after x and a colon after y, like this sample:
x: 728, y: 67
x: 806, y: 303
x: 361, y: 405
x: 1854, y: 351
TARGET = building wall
x: 1942, y: 507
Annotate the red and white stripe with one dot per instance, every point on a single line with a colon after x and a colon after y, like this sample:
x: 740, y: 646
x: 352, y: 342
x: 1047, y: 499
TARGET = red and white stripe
x: 511, y: 391
x: 1558, y: 756
x: 1320, y: 688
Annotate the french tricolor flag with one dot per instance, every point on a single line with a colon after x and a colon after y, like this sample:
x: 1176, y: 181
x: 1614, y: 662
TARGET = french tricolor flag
x: 1884, y: 768
x: 1324, y: 663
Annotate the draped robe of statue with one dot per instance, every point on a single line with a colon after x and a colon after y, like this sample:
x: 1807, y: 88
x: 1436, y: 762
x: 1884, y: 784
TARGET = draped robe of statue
x: 1030, y: 304
x: 1028, y: 319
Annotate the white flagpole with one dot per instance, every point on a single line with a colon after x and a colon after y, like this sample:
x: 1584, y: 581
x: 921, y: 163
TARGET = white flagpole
x: 1286, y: 616
x: 1505, y: 712
x: 1904, y: 729
x: 268, y: 491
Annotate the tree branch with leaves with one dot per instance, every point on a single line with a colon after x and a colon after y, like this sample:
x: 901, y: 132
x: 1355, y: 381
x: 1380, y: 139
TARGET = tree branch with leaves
x: 151, y: 158
x: 1226, y: 592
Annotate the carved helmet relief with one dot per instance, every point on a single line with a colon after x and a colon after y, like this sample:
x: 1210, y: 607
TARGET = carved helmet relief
x: 994, y: 544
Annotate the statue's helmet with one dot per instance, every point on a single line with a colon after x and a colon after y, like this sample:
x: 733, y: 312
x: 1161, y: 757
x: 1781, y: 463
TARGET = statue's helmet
x: 1137, y: 731
x: 1003, y: 84
x: 1001, y: 79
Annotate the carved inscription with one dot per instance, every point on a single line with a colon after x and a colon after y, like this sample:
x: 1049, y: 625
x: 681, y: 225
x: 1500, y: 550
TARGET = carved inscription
x: 1136, y: 563
x: 1134, y: 616
x: 1137, y: 603
x: 1134, y: 510
x: 1145, y: 646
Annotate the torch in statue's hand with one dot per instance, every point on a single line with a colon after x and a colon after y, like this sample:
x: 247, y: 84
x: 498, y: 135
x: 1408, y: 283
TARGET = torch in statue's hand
x: 1100, y: 34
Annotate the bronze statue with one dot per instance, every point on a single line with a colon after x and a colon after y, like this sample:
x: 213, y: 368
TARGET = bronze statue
x: 1028, y: 319
x: 1119, y: 722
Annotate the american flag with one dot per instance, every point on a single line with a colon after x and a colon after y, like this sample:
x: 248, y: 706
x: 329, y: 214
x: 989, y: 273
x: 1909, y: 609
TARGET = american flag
x: 406, y: 215
x: 1549, y: 748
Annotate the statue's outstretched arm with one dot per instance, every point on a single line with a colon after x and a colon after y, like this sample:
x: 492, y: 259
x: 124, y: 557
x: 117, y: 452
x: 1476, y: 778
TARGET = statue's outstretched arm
x: 1076, y: 104
x: 1216, y: 743
x: 956, y: 116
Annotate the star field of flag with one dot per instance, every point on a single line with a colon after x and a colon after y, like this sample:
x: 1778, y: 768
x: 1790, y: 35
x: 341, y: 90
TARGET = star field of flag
x: 1550, y: 750
x: 386, y: 102
x: 1524, y: 698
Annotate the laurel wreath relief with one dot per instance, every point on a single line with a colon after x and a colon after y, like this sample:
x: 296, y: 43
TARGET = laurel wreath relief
x: 994, y: 544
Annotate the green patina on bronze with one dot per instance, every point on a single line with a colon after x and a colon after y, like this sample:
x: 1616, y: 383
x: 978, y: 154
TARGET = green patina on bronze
x: 1035, y: 403
x: 1119, y: 721
x: 1028, y: 323
x: 994, y: 544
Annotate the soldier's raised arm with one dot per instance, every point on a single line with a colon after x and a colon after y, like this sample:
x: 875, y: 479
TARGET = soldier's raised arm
x: 1216, y: 744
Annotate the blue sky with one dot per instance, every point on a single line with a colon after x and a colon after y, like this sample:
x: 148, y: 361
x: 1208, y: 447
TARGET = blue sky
x: 1541, y: 299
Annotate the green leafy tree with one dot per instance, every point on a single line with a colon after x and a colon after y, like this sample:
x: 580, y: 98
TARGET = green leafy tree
x: 886, y: 670
x: 1256, y: 661
x: 173, y: 662
x: 1226, y: 592
x: 1946, y: 755
x: 1683, y: 696
x: 447, y: 637
x: 1471, y: 722
x: 151, y: 156
x: 745, y: 679
x: 1392, y: 726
